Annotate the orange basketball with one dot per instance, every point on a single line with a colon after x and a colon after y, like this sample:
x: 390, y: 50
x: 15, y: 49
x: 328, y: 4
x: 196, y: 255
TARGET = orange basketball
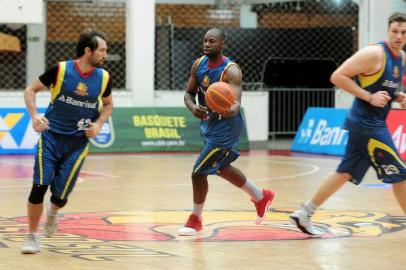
x: 220, y: 96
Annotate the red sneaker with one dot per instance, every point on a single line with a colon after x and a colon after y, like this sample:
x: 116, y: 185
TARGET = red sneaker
x: 192, y: 226
x: 263, y: 205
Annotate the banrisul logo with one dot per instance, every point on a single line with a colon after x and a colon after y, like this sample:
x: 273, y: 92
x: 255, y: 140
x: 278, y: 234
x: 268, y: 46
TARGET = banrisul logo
x: 306, y: 133
x: 16, y: 133
x: 106, y: 135
x: 318, y: 132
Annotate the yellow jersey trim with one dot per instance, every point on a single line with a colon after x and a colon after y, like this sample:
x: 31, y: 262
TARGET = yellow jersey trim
x: 41, y: 169
x: 367, y: 80
x: 198, y: 61
x: 375, y: 144
x: 56, y: 89
x: 212, y: 152
x: 106, y: 77
x: 73, y: 172
x: 228, y: 65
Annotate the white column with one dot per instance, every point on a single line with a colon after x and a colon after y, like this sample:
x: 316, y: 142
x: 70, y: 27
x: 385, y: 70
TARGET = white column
x: 140, y: 47
x: 36, y: 37
x: 373, y: 21
x: 248, y: 19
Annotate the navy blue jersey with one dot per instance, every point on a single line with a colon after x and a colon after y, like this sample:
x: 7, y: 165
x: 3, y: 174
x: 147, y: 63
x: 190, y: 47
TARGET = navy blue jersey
x: 216, y: 130
x: 76, y: 98
x: 364, y: 117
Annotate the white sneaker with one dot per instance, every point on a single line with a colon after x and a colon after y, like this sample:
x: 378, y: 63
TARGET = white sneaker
x: 31, y: 245
x: 51, y: 224
x: 186, y: 231
x: 301, y: 219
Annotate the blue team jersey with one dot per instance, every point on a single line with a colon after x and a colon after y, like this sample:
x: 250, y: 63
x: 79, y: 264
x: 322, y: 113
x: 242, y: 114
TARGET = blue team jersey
x: 215, y: 130
x: 76, y: 99
x: 364, y: 117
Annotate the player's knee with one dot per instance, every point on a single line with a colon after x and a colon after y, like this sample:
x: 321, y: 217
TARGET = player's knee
x: 58, y: 202
x: 195, y: 176
x: 198, y: 179
x: 37, y: 194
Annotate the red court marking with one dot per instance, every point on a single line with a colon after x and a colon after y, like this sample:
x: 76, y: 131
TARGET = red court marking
x: 95, y: 226
x: 17, y: 171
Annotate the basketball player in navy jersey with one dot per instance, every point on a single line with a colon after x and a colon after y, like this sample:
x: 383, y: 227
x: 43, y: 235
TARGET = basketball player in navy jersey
x: 220, y: 134
x: 81, y: 102
x: 379, y: 69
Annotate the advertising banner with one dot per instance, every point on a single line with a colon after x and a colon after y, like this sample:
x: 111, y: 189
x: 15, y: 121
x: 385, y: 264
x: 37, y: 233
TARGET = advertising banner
x: 128, y: 130
x: 397, y: 127
x: 148, y: 129
x: 16, y: 133
x: 320, y: 132
x: 152, y: 129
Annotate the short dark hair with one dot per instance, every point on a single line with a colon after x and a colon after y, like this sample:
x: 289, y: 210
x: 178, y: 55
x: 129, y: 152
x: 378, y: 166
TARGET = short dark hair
x: 397, y: 17
x: 219, y: 32
x: 88, y: 39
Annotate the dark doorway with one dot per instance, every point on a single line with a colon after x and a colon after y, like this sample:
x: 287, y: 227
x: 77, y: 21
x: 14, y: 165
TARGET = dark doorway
x: 294, y: 85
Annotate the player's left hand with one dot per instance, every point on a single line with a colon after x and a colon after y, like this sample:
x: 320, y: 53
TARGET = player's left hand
x: 401, y: 98
x: 92, y: 130
x: 234, y: 109
x: 403, y: 102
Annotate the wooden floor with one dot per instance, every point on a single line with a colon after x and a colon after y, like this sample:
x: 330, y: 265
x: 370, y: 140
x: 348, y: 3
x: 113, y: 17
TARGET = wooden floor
x: 125, y: 211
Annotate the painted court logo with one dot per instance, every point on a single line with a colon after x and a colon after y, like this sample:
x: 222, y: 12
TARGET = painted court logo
x: 223, y: 225
x: 111, y: 235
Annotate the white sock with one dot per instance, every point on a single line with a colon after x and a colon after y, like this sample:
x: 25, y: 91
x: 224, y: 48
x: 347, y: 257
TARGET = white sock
x: 254, y: 191
x: 50, y: 213
x: 198, y: 209
x: 310, y: 207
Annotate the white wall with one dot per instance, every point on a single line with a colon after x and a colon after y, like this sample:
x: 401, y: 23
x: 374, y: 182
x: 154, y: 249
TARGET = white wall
x: 21, y: 12
x: 373, y: 19
x: 399, y: 5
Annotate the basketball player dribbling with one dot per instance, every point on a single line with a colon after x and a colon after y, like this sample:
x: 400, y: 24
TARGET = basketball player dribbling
x: 379, y: 69
x: 220, y: 134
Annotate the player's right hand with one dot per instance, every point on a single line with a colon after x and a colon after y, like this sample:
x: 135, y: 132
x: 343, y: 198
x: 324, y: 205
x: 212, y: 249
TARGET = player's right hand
x: 379, y: 99
x: 39, y: 123
x: 93, y: 130
x: 200, y: 112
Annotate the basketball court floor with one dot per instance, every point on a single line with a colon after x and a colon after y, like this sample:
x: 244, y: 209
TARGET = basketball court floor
x: 125, y: 211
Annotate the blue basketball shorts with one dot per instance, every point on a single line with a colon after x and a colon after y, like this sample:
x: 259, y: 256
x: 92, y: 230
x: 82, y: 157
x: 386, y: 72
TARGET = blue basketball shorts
x: 213, y: 159
x: 58, y: 161
x: 376, y: 150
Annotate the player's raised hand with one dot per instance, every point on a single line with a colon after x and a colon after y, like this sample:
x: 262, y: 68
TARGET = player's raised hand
x: 379, y: 99
x: 93, y: 130
x: 39, y: 123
